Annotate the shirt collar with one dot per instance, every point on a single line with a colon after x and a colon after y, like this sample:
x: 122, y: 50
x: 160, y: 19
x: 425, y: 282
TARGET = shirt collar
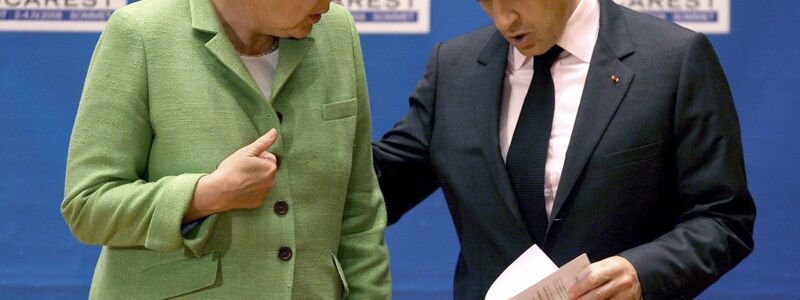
x: 578, y: 39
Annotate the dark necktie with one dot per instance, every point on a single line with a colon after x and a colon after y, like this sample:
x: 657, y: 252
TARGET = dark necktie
x: 527, y: 154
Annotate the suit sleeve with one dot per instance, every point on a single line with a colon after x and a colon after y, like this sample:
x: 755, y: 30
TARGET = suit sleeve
x: 402, y: 158
x: 715, y: 225
x: 107, y: 201
x: 362, y: 249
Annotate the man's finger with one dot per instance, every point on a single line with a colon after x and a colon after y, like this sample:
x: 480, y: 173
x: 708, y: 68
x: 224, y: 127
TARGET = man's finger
x: 605, y: 291
x: 588, y: 280
x: 262, y: 144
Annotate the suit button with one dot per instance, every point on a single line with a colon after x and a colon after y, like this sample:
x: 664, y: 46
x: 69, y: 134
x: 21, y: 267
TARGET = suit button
x: 285, y: 253
x: 277, y: 160
x: 280, y: 116
x: 281, y: 207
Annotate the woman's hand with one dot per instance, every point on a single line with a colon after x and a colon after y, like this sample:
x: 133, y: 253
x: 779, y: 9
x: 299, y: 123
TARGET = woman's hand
x: 242, y: 180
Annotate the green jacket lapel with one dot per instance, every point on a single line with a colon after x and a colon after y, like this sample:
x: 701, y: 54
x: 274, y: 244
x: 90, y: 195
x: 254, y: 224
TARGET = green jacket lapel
x: 205, y: 19
x: 292, y: 53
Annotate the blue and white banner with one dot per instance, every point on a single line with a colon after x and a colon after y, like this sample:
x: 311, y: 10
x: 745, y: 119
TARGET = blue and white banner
x: 709, y: 16
x: 56, y: 15
x: 390, y: 16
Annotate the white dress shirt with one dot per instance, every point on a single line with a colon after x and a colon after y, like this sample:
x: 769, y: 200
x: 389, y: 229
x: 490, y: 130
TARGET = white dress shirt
x: 569, y: 77
x: 262, y: 69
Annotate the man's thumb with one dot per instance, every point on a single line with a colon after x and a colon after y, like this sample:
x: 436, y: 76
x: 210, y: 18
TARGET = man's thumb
x: 262, y: 143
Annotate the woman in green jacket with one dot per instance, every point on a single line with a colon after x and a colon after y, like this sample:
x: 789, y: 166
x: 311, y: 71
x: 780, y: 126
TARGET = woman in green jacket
x: 222, y: 150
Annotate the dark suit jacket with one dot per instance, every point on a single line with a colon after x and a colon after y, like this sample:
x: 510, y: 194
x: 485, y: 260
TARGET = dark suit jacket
x: 654, y: 169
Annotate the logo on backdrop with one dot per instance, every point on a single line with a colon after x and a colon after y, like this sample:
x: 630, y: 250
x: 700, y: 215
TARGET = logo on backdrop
x: 709, y: 16
x: 56, y: 15
x: 389, y: 16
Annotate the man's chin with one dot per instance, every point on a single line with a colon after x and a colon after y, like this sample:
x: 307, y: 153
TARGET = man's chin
x: 533, y: 50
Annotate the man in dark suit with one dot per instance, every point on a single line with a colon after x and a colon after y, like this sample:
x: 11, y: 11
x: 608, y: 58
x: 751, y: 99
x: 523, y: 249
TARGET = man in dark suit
x: 580, y: 126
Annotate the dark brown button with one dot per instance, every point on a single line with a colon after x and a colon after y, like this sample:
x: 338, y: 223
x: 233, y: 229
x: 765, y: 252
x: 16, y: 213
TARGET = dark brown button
x: 281, y: 207
x: 285, y: 253
x: 277, y: 160
x: 280, y: 116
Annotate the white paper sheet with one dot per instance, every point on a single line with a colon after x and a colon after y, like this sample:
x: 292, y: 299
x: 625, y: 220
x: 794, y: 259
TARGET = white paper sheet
x: 555, y: 286
x: 528, y: 269
x: 534, y: 276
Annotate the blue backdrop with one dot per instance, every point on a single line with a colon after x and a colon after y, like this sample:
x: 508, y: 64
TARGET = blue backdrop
x: 41, y: 76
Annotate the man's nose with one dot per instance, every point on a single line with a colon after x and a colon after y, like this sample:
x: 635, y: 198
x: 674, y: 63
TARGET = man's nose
x: 504, y: 16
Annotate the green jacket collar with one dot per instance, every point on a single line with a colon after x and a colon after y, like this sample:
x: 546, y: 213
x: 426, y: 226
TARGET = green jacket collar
x: 205, y: 19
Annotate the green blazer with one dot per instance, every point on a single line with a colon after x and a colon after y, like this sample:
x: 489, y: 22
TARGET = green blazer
x: 167, y: 99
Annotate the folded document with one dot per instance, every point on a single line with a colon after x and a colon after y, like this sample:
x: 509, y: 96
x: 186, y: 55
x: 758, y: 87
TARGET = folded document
x: 534, y: 276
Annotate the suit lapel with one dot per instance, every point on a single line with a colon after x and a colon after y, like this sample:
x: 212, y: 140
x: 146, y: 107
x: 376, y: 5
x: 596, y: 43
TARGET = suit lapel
x: 601, y: 97
x: 205, y: 20
x: 488, y: 88
x: 292, y: 53
x: 224, y: 52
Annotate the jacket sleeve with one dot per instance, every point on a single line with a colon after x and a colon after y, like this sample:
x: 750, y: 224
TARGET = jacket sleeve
x: 108, y: 200
x: 362, y: 249
x: 402, y: 157
x: 715, y: 227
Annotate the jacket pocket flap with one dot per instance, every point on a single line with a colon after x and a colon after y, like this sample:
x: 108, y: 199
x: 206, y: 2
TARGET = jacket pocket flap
x: 180, y: 277
x: 630, y: 155
x: 339, y: 110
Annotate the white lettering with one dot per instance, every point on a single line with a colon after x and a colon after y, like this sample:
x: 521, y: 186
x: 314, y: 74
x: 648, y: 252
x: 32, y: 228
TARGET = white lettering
x: 386, y: 5
x: 668, y: 4
x: 70, y: 4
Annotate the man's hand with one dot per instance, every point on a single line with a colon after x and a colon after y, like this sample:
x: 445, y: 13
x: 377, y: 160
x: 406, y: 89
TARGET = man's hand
x: 242, y: 180
x: 611, y: 278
